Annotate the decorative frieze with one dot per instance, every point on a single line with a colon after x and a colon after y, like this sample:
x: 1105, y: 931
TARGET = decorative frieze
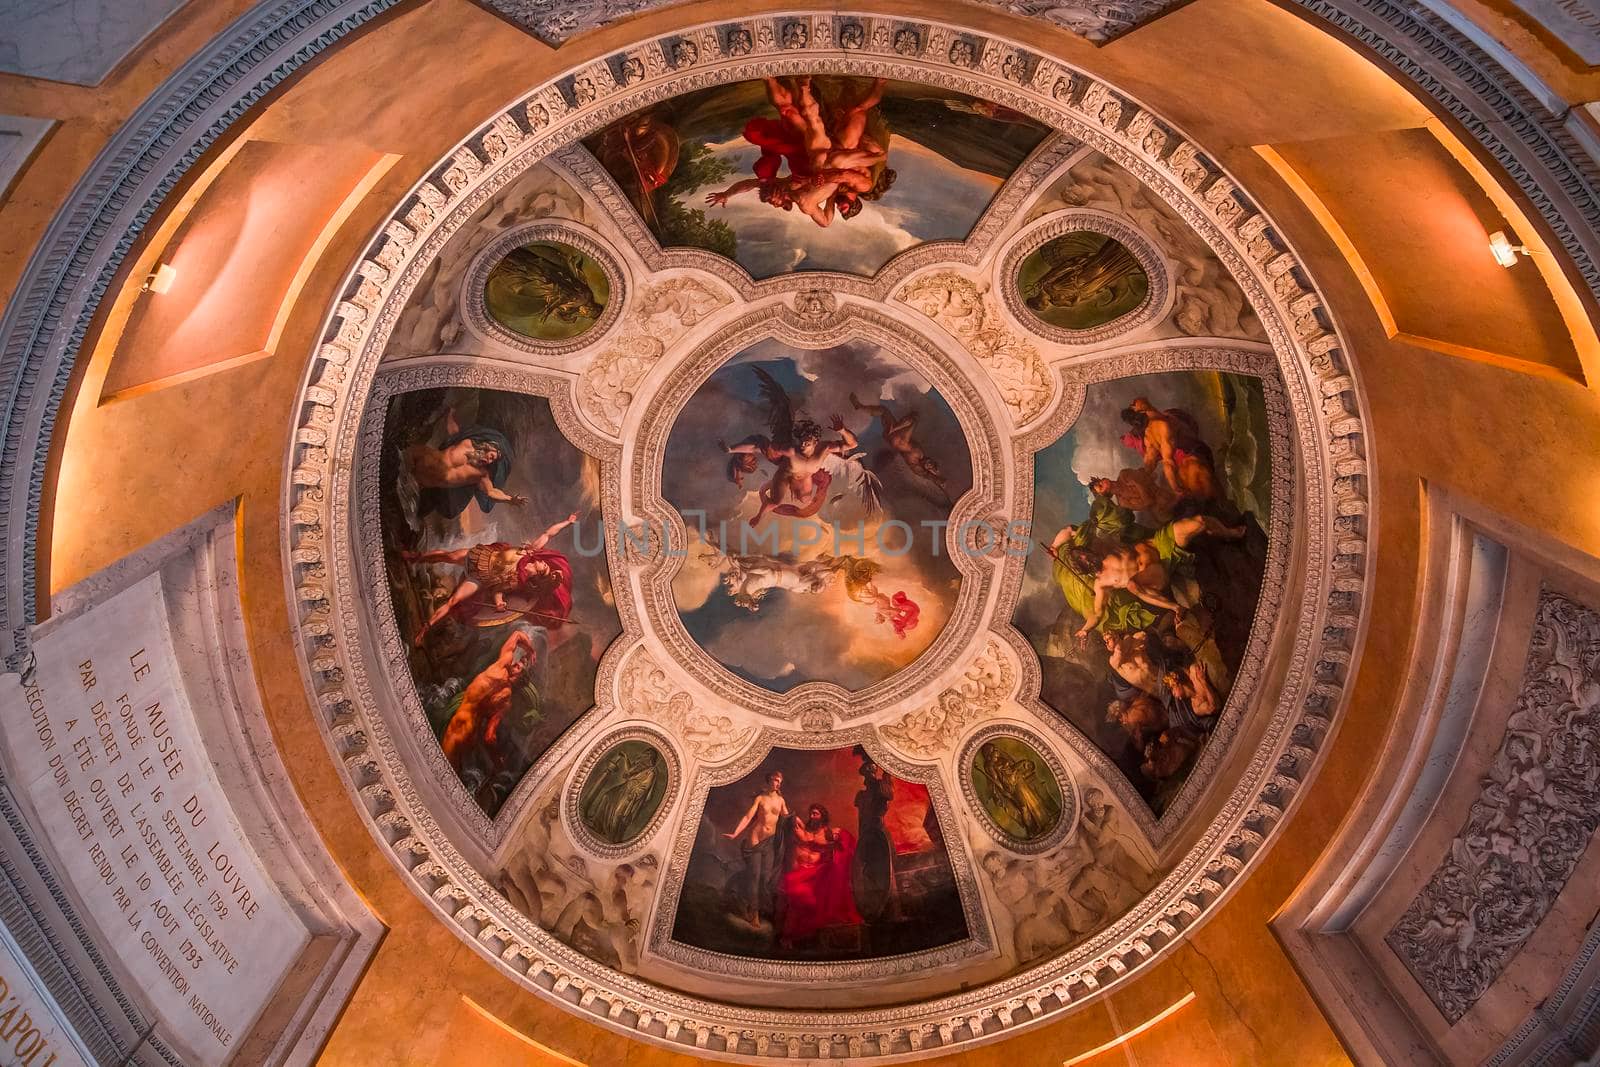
x: 1534, y: 818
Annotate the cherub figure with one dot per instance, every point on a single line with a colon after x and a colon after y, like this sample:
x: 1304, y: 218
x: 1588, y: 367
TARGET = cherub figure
x: 898, y: 610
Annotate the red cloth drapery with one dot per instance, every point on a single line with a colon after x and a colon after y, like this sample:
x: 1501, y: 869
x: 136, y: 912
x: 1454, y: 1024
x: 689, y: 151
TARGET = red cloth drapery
x: 818, y: 895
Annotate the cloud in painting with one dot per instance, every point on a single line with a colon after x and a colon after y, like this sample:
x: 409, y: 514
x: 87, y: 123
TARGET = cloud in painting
x: 795, y: 637
x: 932, y: 199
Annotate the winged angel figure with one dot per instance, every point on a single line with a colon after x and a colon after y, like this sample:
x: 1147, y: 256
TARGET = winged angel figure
x: 805, y: 464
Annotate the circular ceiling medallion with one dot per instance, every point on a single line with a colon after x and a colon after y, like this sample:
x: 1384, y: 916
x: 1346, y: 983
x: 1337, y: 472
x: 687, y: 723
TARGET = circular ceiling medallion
x: 1019, y: 787
x: 815, y: 485
x: 1081, y: 281
x: 1082, y: 277
x: 816, y: 454
x: 621, y: 791
x: 544, y: 288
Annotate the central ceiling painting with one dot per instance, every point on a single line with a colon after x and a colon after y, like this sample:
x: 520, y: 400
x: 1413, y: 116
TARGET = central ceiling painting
x: 814, y: 172
x: 815, y: 486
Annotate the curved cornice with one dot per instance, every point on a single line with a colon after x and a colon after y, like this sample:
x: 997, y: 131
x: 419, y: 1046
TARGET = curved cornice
x: 1329, y: 443
x: 74, y: 264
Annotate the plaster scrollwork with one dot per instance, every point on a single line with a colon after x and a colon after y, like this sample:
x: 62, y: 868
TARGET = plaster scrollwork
x: 557, y: 21
x: 663, y: 312
x: 815, y: 306
x: 963, y: 309
x: 648, y: 692
x: 930, y: 731
x: 1096, y: 20
x: 1320, y: 390
x: 1531, y: 823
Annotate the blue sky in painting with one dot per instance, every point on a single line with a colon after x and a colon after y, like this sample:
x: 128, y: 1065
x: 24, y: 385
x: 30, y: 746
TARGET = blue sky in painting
x: 796, y: 638
x: 932, y: 199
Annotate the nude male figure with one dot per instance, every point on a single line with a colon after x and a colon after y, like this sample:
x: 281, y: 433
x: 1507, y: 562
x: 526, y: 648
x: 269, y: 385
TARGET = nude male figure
x: 1144, y: 569
x: 1192, y: 684
x: 486, y: 699
x: 757, y: 833
x: 1172, y: 443
x: 463, y: 464
x: 1129, y: 656
x: 897, y: 434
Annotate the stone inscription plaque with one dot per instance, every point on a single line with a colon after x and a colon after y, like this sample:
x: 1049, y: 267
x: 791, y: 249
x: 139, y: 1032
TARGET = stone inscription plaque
x: 106, y: 748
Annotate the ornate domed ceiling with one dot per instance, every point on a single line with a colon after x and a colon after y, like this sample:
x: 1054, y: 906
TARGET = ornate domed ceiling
x: 826, y: 535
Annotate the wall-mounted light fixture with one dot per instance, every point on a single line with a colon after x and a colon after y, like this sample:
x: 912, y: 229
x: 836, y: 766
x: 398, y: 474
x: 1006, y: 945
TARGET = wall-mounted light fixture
x: 160, y: 279
x: 1505, y: 253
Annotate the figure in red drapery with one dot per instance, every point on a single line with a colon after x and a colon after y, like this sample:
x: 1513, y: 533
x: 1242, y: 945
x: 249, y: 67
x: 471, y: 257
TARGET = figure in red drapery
x: 815, y: 888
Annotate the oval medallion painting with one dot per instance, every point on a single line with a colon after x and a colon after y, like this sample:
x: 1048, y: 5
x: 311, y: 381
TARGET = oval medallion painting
x: 1081, y: 280
x: 547, y: 290
x: 1016, y: 787
x: 623, y: 792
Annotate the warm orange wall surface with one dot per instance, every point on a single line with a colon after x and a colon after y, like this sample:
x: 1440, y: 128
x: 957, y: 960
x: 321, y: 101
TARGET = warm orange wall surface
x: 1235, y: 73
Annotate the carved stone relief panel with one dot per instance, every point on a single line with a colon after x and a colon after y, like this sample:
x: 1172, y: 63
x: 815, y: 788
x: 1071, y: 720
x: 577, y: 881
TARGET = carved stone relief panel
x: 1452, y: 920
x: 1533, y: 820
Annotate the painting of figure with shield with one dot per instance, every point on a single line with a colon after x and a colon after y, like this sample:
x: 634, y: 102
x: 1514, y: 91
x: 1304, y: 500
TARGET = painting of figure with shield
x: 821, y: 856
x: 1152, y: 511
x: 813, y: 171
x: 482, y: 500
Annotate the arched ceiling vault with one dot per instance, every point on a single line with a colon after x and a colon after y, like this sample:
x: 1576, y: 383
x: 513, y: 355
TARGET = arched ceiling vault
x: 1260, y: 286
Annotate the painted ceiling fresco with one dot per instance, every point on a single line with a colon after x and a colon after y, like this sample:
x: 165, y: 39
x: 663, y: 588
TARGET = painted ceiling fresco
x: 760, y: 636
x: 814, y: 172
x: 819, y: 855
x: 810, y: 480
x: 1082, y: 280
x: 1140, y: 604
x: 504, y: 613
